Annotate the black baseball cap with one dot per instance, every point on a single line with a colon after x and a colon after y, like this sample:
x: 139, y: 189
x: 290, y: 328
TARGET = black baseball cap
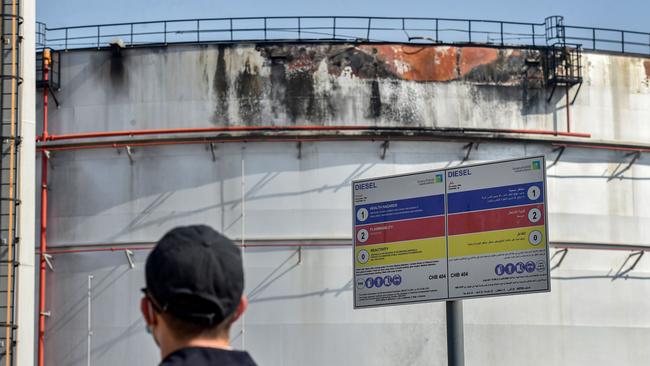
x: 195, y: 274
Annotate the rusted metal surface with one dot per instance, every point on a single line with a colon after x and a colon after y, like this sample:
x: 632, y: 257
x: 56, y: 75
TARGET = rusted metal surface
x: 415, y: 63
x: 427, y: 63
x: 646, y: 65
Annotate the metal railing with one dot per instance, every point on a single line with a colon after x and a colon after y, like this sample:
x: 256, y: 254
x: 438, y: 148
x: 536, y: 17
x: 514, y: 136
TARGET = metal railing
x: 415, y: 30
x: 605, y: 39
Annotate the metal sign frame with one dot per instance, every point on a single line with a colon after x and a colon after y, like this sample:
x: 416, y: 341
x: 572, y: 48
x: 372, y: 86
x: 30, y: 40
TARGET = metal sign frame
x: 542, y: 167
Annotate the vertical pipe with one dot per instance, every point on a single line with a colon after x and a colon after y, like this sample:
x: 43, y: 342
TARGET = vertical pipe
x: 47, y: 58
x: 90, y: 328
x: 42, y: 265
x: 455, y: 342
x: 243, y: 237
x: 568, y: 111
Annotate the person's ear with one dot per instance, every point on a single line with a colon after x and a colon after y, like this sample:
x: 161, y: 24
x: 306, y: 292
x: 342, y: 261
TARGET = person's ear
x: 241, y: 308
x: 147, y: 312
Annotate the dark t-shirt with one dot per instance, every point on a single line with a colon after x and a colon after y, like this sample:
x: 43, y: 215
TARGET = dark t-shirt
x: 201, y: 356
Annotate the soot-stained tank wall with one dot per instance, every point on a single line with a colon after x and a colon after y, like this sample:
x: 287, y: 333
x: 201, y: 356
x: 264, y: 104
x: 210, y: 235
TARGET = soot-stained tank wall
x: 344, y: 84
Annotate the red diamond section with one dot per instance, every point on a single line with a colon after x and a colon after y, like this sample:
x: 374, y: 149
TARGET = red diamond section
x: 393, y: 231
x: 498, y: 219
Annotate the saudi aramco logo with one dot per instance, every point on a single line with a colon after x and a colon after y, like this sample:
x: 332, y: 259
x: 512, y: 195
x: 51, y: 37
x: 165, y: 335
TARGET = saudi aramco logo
x: 536, y: 165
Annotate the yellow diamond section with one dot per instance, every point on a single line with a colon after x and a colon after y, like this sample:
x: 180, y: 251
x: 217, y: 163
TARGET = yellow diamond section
x: 400, y: 252
x: 532, y: 237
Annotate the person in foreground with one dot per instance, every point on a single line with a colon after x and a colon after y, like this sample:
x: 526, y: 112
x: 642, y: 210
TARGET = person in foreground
x: 195, y: 283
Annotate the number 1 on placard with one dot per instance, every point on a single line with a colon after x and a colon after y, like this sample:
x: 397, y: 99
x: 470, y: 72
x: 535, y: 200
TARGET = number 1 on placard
x: 533, y: 193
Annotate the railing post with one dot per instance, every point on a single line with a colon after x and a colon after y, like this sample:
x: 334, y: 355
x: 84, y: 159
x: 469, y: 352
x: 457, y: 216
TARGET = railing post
x: 437, y: 40
x: 368, y: 30
x: 501, y: 26
x: 469, y: 27
x: 265, y: 28
x: 299, y: 30
x: 66, y: 39
x: 593, y: 38
x: 532, y: 26
x: 334, y: 28
x: 623, y: 41
x: 98, y: 35
x: 198, y: 30
x: 131, y: 41
x: 165, y: 32
x: 231, y: 37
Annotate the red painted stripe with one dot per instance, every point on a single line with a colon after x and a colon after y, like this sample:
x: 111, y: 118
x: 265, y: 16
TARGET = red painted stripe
x: 388, y: 232
x: 488, y: 220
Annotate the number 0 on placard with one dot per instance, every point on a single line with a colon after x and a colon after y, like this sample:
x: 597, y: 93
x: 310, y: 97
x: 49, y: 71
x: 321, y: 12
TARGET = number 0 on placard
x: 535, y: 237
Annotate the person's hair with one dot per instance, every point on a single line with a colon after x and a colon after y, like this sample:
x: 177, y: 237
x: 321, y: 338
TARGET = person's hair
x: 184, y: 330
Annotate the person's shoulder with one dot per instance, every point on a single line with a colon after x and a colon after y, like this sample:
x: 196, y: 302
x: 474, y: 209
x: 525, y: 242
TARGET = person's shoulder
x: 199, y: 356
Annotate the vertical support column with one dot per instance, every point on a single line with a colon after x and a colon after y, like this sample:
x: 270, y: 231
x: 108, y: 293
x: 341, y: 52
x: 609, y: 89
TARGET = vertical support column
x: 455, y: 342
x: 568, y: 108
x: 43, y: 228
x: 90, y: 319
x: 243, y: 235
x: 25, y: 309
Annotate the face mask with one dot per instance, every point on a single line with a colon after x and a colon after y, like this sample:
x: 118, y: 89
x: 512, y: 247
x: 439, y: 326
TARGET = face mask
x: 150, y: 332
x: 147, y: 327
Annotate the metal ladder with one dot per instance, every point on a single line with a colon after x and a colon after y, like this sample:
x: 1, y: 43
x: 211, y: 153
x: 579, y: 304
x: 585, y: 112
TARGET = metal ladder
x: 10, y: 140
x: 563, y: 60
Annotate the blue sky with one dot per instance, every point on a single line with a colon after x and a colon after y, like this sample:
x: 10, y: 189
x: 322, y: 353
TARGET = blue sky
x: 622, y: 14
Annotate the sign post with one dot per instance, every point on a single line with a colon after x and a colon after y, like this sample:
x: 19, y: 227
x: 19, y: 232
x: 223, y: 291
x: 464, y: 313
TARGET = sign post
x: 455, y: 340
x: 445, y: 235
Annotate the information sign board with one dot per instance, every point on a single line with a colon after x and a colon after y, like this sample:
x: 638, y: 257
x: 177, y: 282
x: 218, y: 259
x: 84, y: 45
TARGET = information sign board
x: 471, y: 231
